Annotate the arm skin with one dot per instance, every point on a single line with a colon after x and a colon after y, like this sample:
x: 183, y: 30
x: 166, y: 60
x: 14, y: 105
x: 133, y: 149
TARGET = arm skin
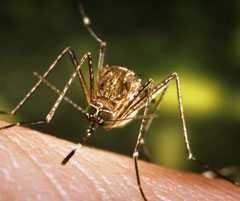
x: 30, y: 169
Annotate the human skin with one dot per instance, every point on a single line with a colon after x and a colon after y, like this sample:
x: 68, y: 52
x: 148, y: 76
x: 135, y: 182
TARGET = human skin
x: 30, y: 169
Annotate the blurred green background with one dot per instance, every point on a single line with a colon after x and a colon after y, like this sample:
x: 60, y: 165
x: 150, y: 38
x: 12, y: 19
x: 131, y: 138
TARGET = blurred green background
x: 199, y: 39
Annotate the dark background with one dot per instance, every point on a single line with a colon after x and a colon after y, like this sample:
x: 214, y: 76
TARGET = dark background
x: 199, y: 39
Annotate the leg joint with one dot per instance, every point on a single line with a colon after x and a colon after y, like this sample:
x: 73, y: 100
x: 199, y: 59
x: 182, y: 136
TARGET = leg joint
x: 135, y: 154
x: 48, y: 118
x: 103, y: 44
x: 191, y: 157
x: 174, y: 75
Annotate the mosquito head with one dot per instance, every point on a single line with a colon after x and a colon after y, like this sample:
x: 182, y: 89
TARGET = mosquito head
x: 98, y: 114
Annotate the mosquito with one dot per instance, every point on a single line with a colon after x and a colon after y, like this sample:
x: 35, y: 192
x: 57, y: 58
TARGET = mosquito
x: 115, y: 97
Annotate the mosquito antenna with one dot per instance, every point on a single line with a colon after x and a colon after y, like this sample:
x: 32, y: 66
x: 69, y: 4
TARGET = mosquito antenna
x: 87, y: 24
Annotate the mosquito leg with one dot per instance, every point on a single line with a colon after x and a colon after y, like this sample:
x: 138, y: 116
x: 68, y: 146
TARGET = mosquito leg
x: 52, y: 111
x: 65, y: 89
x: 155, y: 108
x: 66, y: 51
x: 23, y: 123
x: 91, y: 76
x: 91, y: 130
x: 164, y: 83
x: 58, y: 92
x: 150, y: 119
x: 139, y: 143
x: 103, y: 44
x: 82, y: 81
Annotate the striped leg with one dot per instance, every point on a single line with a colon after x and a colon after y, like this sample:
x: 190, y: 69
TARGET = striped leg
x: 145, y: 124
x: 51, y: 113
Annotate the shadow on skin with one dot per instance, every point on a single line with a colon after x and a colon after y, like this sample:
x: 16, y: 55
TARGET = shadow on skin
x: 30, y: 169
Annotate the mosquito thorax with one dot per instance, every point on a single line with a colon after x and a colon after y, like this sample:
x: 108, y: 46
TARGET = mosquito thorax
x: 117, y: 88
x: 116, y: 83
